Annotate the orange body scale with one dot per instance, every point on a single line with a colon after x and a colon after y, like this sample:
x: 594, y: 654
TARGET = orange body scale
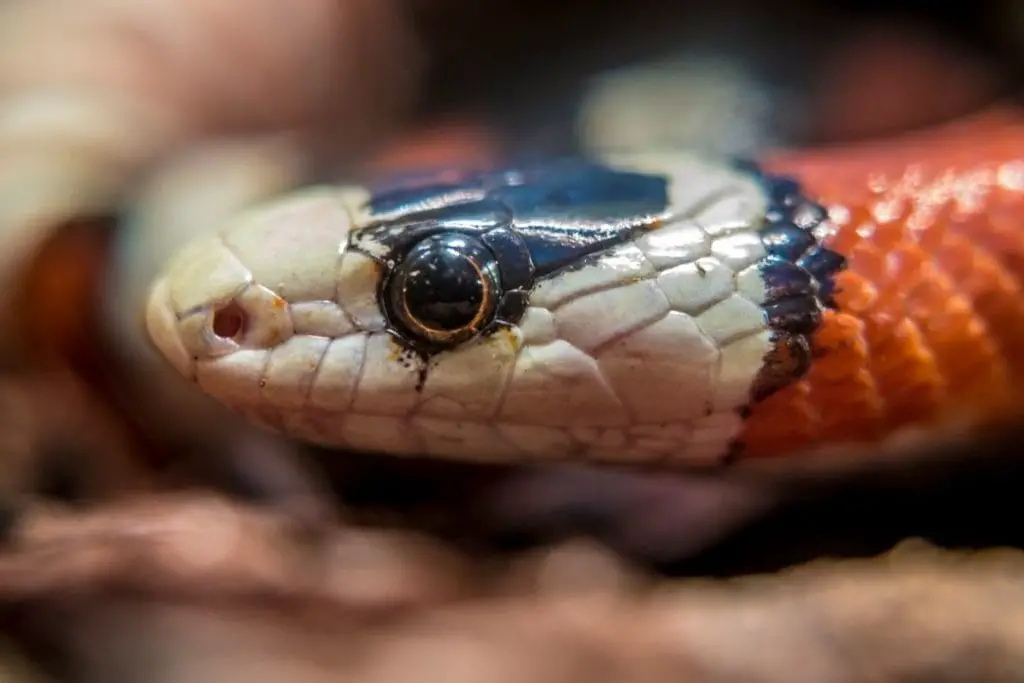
x: 929, y: 326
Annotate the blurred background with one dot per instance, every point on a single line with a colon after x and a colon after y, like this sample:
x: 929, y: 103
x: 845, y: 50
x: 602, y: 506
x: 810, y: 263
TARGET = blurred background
x: 733, y: 74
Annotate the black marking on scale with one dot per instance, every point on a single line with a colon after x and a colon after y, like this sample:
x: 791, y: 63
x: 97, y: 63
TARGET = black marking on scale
x: 558, y: 211
x: 409, y: 358
x: 799, y: 273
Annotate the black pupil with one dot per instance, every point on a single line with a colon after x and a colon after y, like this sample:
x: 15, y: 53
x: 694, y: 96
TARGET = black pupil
x: 443, y: 289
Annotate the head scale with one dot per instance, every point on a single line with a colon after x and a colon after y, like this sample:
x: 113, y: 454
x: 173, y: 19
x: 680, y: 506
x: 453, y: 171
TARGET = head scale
x: 625, y: 312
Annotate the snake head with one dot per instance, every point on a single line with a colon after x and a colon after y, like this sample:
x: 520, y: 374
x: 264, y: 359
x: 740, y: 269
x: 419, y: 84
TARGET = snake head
x: 574, y: 310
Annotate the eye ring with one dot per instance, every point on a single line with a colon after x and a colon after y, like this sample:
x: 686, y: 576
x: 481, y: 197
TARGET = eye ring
x: 444, y: 291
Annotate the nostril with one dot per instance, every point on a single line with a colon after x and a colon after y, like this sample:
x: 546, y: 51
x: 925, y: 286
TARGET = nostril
x: 230, y: 321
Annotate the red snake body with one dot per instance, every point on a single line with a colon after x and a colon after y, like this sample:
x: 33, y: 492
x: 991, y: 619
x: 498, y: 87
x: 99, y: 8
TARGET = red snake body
x: 929, y: 325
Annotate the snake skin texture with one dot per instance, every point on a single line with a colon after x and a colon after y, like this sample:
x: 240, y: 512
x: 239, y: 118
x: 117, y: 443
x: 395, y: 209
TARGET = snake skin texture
x: 929, y: 326
x: 646, y: 352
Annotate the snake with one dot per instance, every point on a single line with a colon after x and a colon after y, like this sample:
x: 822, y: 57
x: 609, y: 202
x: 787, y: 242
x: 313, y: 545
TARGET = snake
x: 664, y: 309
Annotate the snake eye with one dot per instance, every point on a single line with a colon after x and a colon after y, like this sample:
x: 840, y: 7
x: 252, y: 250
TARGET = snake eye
x: 445, y: 290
